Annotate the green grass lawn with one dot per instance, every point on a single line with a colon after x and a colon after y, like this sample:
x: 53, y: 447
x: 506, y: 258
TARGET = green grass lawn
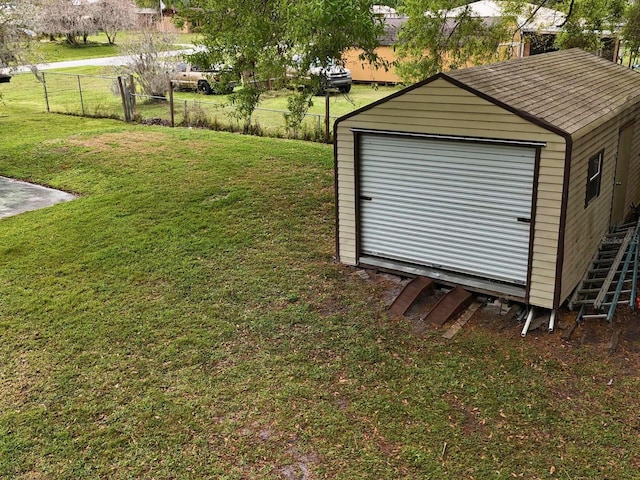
x: 60, y: 51
x: 184, y: 318
x: 97, y: 46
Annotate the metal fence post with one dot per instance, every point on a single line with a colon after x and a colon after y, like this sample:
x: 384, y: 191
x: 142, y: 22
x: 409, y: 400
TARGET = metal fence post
x: 81, y: 99
x: 132, y: 91
x: 46, y: 94
x: 173, y: 122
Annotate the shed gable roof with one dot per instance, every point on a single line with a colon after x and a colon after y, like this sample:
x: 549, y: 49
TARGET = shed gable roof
x: 568, y: 89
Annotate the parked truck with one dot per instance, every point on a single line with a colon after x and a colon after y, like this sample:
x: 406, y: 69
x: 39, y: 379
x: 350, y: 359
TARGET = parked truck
x: 218, y: 80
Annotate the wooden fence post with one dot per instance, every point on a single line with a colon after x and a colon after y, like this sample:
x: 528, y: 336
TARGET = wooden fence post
x: 123, y: 96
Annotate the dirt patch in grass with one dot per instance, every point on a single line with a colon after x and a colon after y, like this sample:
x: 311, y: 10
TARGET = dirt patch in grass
x: 129, y: 141
x: 470, y: 421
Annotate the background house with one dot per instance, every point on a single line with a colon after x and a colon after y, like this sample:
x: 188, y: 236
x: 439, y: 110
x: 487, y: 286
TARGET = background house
x: 535, y: 32
x: 365, y: 72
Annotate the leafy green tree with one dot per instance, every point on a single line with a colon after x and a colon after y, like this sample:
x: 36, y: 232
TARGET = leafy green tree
x: 263, y: 39
x: 438, y: 36
x: 587, y: 20
x: 631, y: 31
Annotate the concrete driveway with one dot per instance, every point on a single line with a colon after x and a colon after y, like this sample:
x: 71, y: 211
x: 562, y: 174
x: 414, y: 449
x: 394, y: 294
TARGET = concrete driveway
x: 17, y: 197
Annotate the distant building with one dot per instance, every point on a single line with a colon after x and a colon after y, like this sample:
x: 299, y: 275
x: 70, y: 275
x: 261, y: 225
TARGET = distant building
x: 535, y: 32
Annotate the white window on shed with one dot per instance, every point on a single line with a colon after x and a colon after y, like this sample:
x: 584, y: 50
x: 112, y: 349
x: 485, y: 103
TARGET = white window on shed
x: 594, y: 177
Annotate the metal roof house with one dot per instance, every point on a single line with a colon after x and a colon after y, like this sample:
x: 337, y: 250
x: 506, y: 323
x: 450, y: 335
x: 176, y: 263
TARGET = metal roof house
x: 501, y: 178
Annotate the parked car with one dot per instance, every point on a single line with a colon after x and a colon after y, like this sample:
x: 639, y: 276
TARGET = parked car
x: 218, y: 80
x: 330, y: 78
x: 333, y: 77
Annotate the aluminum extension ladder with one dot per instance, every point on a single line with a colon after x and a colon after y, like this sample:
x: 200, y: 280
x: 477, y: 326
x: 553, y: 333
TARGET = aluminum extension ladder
x: 612, y: 274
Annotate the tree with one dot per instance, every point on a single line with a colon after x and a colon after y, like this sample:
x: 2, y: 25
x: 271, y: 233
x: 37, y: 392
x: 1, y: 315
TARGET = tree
x: 261, y: 38
x: 147, y: 64
x: 71, y: 18
x: 14, y: 41
x: 446, y: 34
x: 587, y: 20
x: 631, y: 31
x: 113, y: 16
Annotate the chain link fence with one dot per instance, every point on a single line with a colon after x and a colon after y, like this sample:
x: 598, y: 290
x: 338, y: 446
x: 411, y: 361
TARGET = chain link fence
x: 116, y: 97
x: 86, y: 95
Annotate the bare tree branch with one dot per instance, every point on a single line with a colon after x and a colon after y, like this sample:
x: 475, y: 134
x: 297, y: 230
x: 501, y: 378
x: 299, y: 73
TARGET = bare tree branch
x: 568, y: 14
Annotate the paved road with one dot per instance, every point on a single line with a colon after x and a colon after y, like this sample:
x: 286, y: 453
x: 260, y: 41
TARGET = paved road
x: 91, y: 62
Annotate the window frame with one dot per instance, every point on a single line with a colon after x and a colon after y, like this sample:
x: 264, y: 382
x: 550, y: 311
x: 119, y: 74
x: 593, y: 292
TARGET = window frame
x: 594, y: 180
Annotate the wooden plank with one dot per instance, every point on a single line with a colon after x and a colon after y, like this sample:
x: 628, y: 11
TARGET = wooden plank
x: 569, y: 331
x: 449, y: 306
x: 409, y: 293
x: 615, y: 336
x: 464, y: 318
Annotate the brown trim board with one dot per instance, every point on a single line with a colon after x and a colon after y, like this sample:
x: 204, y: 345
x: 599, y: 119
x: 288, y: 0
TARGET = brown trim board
x: 336, y: 186
x: 452, y: 138
x: 356, y: 181
x: 557, y: 290
x: 516, y: 111
x: 629, y: 124
x: 532, y: 228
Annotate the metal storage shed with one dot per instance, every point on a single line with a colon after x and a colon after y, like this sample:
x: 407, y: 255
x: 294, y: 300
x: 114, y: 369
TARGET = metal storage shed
x: 502, y: 178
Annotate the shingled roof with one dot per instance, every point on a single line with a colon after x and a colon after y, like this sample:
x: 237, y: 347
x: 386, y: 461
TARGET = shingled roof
x: 567, y: 89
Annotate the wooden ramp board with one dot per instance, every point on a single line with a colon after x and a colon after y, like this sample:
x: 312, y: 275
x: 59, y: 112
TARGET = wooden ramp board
x: 461, y: 322
x: 409, y: 293
x: 449, y: 306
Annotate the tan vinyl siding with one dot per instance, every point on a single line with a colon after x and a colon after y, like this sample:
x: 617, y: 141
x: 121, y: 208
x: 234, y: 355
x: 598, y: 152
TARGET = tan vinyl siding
x: 586, y: 226
x: 440, y: 107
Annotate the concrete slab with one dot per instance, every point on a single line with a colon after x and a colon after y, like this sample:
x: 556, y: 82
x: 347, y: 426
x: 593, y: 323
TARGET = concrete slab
x: 18, y: 197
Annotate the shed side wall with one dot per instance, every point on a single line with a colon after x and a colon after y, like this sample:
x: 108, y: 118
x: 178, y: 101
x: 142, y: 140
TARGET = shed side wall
x: 444, y: 109
x: 586, y: 226
x: 633, y: 180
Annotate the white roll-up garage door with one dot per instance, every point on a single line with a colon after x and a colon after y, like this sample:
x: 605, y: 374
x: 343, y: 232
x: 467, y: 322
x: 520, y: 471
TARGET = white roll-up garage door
x: 454, y: 205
